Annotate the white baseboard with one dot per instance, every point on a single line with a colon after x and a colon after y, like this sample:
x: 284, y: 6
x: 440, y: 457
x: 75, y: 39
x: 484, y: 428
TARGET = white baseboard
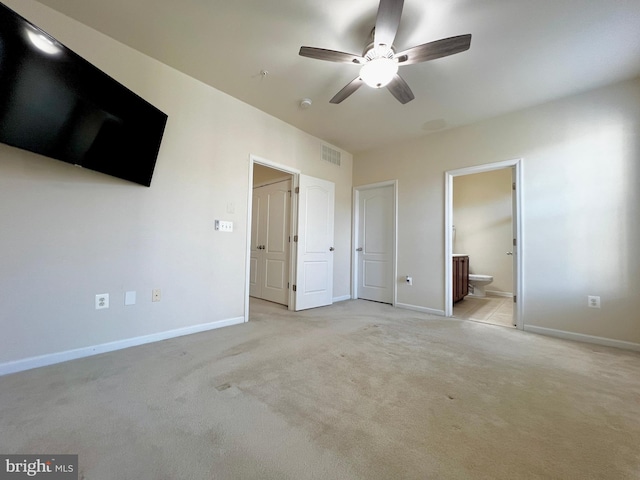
x: 342, y: 298
x: 496, y: 293
x: 416, y: 308
x: 580, y: 337
x: 59, y: 357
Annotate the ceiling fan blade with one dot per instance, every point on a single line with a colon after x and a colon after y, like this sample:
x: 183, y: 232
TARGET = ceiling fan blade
x: 433, y: 50
x: 351, y: 87
x: 399, y: 89
x: 387, y: 22
x: 331, y: 55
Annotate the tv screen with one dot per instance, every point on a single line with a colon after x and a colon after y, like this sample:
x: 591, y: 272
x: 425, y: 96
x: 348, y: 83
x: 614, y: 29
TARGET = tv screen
x: 55, y: 103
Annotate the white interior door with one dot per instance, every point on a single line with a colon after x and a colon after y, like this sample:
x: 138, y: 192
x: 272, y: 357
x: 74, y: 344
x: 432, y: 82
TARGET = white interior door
x: 314, y: 263
x: 515, y: 253
x: 257, y: 235
x: 269, y: 259
x: 275, y: 251
x: 375, y: 244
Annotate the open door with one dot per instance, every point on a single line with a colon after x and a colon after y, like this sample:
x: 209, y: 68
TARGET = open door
x: 515, y: 247
x: 314, y: 265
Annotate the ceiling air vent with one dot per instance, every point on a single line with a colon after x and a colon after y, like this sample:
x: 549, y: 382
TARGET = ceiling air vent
x: 330, y: 155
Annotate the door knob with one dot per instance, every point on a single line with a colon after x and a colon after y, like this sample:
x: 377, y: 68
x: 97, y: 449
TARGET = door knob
x: 331, y: 249
x: 359, y: 249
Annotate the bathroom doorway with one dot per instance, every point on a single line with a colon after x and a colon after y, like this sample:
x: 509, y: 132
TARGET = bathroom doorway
x: 483, y: 229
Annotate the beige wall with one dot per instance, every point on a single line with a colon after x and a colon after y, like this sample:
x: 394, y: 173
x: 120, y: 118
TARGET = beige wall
x: 482, y: 211
x: 264, y: 175
x: 581, y: 205
x: 69, y: 234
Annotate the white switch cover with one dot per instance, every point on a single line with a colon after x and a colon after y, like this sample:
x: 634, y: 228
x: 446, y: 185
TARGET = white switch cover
x: 224, y: 226
x: 130, y: 298
x: 102, y: 301
x: 155, y: 295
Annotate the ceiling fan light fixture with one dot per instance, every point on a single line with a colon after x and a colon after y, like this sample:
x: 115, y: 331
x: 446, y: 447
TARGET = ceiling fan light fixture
x: 43, y: 43
x: 379, y: 62
x: 377, y: 73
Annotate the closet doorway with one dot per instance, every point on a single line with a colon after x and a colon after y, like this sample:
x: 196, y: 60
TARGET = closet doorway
x: 374, y: 261
x: 270, y: 235
x: 292, y: 224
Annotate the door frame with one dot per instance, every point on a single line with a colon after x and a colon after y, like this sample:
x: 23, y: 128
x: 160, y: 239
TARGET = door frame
x: 518, y: 250
x: 355, y: 235
x: 293, y: 225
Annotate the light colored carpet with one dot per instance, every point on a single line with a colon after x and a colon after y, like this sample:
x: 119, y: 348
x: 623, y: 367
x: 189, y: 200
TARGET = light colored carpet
x: 357, y: 390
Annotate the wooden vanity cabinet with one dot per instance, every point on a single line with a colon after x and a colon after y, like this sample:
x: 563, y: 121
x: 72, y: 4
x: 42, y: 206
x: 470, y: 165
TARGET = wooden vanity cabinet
x: 460, y: 278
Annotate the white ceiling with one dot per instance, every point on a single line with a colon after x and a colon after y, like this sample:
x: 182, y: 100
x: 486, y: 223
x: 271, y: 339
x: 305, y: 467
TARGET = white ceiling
x: 523, y: 52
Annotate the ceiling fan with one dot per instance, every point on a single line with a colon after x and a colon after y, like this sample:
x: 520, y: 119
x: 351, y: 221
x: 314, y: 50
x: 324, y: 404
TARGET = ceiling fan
x: 379, y: 62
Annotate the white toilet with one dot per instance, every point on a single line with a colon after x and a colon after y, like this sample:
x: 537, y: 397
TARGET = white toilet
x: 477, y: 284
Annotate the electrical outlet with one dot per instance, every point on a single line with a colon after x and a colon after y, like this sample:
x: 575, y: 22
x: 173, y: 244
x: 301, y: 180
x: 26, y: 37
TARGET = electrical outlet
x: 593, y: 301
x: 155, y: 295
x: 102, y: 301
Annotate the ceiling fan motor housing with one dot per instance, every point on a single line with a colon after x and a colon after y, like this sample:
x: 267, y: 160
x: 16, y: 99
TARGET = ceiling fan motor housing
x: 371, y: 45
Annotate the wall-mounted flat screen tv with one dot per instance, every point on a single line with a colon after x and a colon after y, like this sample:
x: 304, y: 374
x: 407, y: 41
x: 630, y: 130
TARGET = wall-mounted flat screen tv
x: 55, y: 103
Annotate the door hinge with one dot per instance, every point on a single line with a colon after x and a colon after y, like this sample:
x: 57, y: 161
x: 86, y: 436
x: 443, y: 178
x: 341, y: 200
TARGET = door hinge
x: 513, y: 185
x: 514, y: 242
x: 297, y: 189
x: 295, y: 238
x: 287, y: 284
x: 514, y: 298
x: 295, y: 289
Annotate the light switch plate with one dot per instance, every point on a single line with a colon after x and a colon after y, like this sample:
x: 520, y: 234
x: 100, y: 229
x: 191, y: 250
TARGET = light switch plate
x: 130, y: 298
x: 224, y: 226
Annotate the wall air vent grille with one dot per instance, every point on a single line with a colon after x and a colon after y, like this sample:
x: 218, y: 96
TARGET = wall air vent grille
x: 330, y: 155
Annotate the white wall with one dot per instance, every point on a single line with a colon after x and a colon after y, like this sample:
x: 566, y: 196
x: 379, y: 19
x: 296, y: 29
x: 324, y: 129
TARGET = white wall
x: 69, y: 234
x: 482, y: 211
x: 581, y: 196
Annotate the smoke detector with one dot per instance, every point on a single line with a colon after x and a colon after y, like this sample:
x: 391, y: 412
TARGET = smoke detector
x: 305, y: 103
